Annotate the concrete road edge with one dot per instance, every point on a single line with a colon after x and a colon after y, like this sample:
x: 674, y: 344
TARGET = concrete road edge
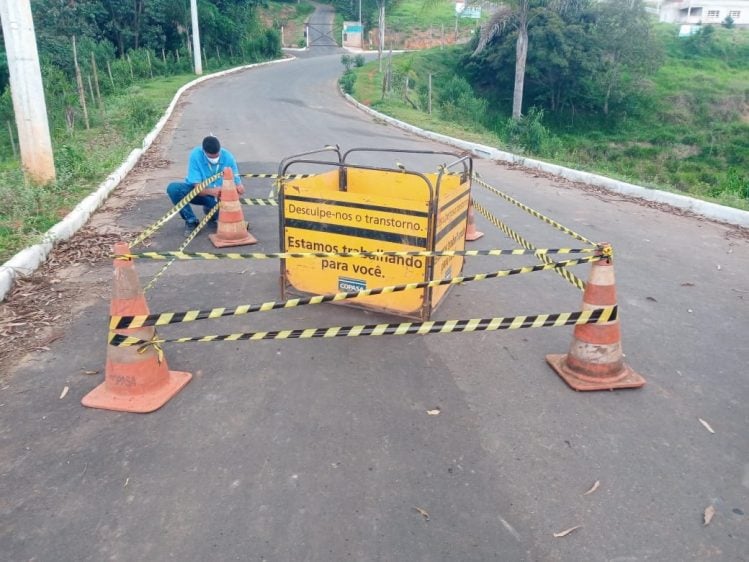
x: 29, y: 259
x: 705, y: 209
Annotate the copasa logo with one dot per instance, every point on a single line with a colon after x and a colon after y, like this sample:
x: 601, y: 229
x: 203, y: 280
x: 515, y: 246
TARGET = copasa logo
x: 348, y: 285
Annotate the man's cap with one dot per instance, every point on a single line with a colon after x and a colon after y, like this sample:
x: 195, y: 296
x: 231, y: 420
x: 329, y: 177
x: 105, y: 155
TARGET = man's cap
x: 211, y: 145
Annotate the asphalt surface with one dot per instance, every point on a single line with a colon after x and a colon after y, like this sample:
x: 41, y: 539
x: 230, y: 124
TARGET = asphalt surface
x: 323, y: 449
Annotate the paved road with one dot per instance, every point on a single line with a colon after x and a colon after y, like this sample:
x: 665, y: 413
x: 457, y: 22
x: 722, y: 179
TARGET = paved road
x: 322, y: 449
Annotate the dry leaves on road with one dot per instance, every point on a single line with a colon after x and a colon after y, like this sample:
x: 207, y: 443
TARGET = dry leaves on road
x: 421, y: 512
x: 593, y: 488
x: 566, y: 531
x: 708, y: 515
x: 37, y: 308
x: 707, y: 425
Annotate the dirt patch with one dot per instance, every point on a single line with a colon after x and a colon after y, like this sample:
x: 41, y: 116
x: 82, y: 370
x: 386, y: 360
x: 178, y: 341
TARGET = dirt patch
x: 40, y: 306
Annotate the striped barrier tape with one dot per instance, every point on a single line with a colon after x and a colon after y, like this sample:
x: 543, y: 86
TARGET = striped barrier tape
x: 596, y: 316
x: 530, y: 211
x: 185, y: 256
x: 277, y: 176
x: 174, y: 210
x: 166, y: 318
x: 270, y: 202
x: 201, y: 225
x: 567, y: 275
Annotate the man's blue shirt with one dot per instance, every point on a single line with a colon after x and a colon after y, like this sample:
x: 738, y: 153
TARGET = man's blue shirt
x: 199, y: 168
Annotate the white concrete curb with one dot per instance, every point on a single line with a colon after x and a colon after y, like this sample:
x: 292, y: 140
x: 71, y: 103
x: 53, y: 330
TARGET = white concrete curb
x: 29, y: 259
x: 703, y: 208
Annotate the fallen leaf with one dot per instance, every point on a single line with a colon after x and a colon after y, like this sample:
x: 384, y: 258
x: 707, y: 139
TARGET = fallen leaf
x: 90, y: 372
x: 687, y: 284
x: 567, y: 531
x: 707, y: 425
x: 435, y: 412
x: 709, y: 514
x: 651, y: 299
x: 64, y: 392
x: 126, y: 482
x: 593, y: 488
x: 421, y: 512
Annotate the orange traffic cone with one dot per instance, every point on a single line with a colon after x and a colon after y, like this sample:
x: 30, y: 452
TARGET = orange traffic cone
x: 471, y: 232
x: 134, y: 380
x: 232, y: 228
x: 595, y: 360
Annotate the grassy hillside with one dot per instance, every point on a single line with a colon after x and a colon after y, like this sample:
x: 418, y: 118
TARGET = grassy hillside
x: 692, y: 137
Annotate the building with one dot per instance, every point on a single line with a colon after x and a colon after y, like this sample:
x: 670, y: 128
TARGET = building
x: 701, y: 12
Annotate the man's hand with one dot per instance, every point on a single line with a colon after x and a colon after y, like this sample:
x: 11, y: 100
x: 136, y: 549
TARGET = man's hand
x: 240, y: 189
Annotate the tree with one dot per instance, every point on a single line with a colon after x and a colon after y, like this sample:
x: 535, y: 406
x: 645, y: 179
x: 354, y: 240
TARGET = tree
x: 517, y: 14
x: 561, y: 61
x: 626, y: 49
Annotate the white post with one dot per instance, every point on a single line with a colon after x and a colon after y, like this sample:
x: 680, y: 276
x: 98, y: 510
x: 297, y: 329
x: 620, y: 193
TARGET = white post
x: 196, y: 38
x: 283, y: 43
x: 306, y: 34
x: 27, y: 91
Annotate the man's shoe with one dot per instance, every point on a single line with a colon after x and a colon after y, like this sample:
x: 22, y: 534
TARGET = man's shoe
x: 189, y: 227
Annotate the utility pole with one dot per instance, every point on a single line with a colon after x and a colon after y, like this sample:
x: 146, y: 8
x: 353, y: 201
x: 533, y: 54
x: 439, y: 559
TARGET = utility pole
x: 27, y: 91
x: 196, y: 50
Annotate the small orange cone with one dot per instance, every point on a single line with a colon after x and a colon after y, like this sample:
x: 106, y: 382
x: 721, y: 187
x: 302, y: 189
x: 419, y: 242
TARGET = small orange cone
x: 232, y: 228
x: 595, y: 360
x: 471, y: 232
x: 134, y: 381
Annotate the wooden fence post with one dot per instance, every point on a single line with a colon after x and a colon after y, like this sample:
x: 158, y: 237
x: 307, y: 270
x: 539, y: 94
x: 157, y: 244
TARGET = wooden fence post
x: 12, y: 140
x: 109, y: 71
x: 79, y: 82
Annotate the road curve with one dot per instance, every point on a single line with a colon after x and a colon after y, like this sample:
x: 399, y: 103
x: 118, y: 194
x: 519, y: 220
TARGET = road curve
x: 323, y: 449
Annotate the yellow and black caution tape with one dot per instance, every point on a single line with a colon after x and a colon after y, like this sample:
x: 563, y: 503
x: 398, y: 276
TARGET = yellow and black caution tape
x: 270, y: 202
x: 596, y: 316
x: 185, y: 256
x: 201, y: 225
x: 568, y: 275
x: 165, y: 318
x: 174, y: 210
x: 530, y: 211
x: 277, y: 176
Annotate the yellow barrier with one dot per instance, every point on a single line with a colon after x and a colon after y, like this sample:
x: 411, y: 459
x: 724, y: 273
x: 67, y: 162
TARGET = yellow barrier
x: 363, y: 209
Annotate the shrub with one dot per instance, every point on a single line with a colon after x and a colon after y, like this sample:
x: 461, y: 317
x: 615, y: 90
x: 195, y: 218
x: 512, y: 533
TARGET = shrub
x: 359, y: 61
x: 347, y: 82
x: 528, y: 132
x: 140, y: 113
x: 457, y: 102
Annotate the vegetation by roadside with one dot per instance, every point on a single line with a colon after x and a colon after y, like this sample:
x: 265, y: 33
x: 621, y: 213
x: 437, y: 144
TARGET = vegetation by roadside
x: 125, y: 94
x: 410, y: 24
x: 289, y: 16
x: 685, y: 128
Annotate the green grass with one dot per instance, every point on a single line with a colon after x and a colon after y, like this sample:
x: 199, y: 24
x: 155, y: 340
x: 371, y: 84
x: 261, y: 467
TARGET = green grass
x: 694, y: 139
x: 408, y: 15
x: 82, y: 161
x: 291, y: 16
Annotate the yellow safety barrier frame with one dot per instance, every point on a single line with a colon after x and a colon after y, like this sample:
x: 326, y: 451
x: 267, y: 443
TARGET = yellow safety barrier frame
x: 356, y: 208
